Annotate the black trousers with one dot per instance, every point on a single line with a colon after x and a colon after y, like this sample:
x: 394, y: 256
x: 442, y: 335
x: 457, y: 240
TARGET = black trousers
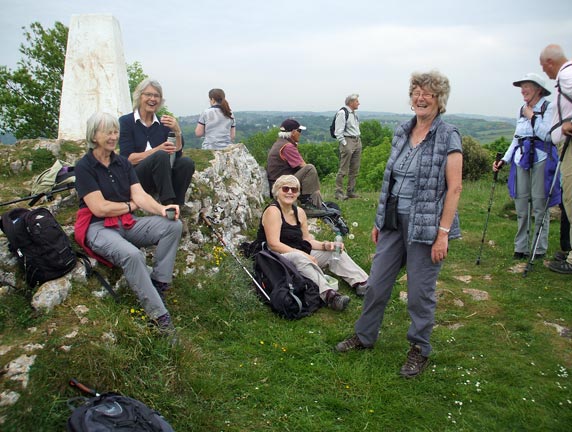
x: 564, y: 230
x: 159, y: 179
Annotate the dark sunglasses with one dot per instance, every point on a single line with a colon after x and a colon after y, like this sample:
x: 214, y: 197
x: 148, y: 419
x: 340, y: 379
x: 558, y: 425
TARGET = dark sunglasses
x: 299, y: 130
x: 287, y: 189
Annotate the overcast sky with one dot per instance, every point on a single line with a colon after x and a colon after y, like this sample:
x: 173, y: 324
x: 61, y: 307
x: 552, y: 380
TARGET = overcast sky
x: 308, y: 55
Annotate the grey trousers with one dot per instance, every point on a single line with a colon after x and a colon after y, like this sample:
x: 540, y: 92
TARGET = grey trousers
x: 527, y: 182
x: 392, y: 252
x: 310, y: 183
x: 345, y: 267
x: 121, y: 247
x: 350, y: 159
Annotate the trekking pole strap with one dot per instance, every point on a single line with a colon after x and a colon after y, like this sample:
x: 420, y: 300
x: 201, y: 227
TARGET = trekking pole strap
x: 89, y: 271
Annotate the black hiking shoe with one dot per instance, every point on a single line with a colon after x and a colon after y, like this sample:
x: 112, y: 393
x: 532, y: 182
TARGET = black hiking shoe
x: 563, y: 267
x: 415, y: 363
x: 338, y: 302
x: 166, y: 328
x: 161, y: 287
x: 561, y: 255
x: 360, y: 288
x: 352, y: 343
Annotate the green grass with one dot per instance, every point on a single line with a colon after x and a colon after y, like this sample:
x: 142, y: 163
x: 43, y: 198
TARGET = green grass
x: 241, y: 368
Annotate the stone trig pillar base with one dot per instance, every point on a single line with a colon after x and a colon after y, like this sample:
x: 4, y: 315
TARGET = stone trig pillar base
x: 95, y: 74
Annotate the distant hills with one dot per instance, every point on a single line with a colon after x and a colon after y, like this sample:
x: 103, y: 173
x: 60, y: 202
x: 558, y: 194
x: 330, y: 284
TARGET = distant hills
x: 484, y: 129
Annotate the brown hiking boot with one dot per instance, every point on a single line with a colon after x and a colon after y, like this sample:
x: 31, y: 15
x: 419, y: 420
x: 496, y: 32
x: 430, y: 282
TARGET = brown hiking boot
x: 352, y: 343
x: 415, y: 363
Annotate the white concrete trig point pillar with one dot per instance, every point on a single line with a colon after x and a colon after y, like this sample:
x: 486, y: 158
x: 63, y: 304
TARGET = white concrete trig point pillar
x: 95, y: 74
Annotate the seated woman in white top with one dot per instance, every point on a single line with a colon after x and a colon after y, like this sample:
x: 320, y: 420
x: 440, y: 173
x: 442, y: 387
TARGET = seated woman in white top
x: 216, y: 123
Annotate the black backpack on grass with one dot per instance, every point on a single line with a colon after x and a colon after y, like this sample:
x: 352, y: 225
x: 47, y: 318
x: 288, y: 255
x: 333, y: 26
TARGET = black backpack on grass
x: 113, y: 412
x: 292, y: 296
x: 43, y: 249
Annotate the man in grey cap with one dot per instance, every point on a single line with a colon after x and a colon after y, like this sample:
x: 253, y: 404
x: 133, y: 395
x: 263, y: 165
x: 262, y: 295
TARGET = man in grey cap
x: 284, y: 158
x: 556, y: 66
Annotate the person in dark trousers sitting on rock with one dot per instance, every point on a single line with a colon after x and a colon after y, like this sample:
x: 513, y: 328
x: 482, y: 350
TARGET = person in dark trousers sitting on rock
x: 143, y: 140
x: 109, y: 192
x: 284, y: 158
x: 284, y: 228
x: 416, y: 217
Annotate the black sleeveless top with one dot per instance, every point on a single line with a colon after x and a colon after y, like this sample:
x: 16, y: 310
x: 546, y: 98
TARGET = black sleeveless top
x: 290, y: 235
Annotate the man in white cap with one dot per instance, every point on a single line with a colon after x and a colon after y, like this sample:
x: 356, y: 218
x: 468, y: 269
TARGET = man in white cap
x: 284, y: 158
x: 556, y: 66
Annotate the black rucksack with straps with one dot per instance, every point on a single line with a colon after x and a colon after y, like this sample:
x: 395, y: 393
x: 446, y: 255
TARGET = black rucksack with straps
x: 333, y: 125
x: 43, y: 249
x: 113, y: 412
x: 292, y: 295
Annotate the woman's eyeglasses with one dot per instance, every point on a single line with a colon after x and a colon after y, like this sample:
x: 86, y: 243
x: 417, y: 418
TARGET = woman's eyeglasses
x: 417, y: 95
x: 287, y: 189
x: 152, y: 95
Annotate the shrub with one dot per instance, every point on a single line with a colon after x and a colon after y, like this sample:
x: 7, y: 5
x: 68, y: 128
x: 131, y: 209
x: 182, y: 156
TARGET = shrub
x: 499, y: 145
x: 476, y: 160
x: 324, y: 156
x: 373, y: 161
x: 259, y: 144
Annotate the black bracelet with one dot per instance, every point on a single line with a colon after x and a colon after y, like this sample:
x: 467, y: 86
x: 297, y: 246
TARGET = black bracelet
x: 128, y: 205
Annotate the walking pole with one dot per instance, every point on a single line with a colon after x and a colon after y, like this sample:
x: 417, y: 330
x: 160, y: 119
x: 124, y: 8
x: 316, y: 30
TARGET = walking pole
x: 495, y: 177
x: 35, y: 198
x: 546, y: 206
x: 208, y: 221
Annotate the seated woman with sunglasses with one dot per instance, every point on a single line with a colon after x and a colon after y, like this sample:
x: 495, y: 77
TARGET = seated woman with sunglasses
x: 284, y: 228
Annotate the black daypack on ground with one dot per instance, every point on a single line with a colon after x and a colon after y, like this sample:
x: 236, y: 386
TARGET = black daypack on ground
x: 113, y: 412
x: 292, y: 296
x: 334, y: 218
x: 333, y: 125
x: 42, y: 247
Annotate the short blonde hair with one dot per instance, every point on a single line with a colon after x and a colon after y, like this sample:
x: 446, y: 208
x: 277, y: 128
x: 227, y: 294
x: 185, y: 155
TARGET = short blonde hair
x: 285, y: 180
x: 434, y: 81
x: 99, y: 121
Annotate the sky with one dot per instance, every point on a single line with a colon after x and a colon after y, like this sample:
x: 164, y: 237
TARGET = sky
x: 309, y: 55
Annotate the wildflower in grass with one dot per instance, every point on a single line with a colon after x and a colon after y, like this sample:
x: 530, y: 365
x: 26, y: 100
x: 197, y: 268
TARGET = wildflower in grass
x: 351, y: 236
x: 355, y: 224
x: 261, y: 342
